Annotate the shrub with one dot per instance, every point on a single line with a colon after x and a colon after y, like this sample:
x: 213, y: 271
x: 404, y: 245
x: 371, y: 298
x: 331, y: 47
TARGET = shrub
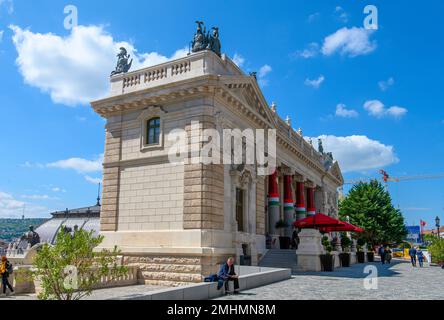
x: 71, y: 268
x: 436, y: 249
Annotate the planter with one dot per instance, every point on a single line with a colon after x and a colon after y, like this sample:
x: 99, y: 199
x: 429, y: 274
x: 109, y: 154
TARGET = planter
x: 361, y: 257
x: 327, y: 262
x: 284, y: 243
x: 370, y: 257
x: 345, y: 259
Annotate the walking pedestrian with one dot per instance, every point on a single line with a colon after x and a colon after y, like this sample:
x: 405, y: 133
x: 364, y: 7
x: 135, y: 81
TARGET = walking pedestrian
x: 420, y: 256
x: 5, y: 271
x: 381, y: 253
x: 412, y: 254
x: 388, y: 255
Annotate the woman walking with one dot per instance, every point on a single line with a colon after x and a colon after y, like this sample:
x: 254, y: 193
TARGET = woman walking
x: 5, y: 271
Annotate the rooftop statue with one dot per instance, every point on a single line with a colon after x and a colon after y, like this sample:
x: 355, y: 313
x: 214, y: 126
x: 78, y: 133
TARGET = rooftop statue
x: 214, y: 42
x: 199, y: 40
x: 206, y: 41
x: 31, y: 237
x: 123, y: 65
x: 320, y: 147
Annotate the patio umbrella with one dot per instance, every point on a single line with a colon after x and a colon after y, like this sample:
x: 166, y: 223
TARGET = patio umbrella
x: 347, y: 227
x: 319, y: 220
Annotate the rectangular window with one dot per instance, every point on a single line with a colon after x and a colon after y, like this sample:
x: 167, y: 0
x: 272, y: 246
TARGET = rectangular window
x: 153, y: 130
x: 240, y: 209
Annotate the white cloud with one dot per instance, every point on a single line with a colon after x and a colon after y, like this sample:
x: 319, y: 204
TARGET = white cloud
x: 263, y: 72
x: 57, y: 189
x: 342, y: 111
x: 351, y: 42
x: 93, y: 180
x: 12, y: 208
x: 9, y: 6
x: 384, y: 85
x: 238, y: 60
x: 310, y: 51
x: 75, y: 69
x: 396, y: 111
x: 341, y: 15
x: 37, y: 197
x: 1, y: 35
x: 358, y: 153
x: 377, y: 109
x: 79, y: 165
x: 315, y: 83
x: 311, y: 18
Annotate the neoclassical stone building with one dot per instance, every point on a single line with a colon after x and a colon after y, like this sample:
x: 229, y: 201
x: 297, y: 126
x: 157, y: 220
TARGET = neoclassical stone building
x: 179, y: 221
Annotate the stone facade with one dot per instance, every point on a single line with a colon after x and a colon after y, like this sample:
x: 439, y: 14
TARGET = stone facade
x: 178, y: 221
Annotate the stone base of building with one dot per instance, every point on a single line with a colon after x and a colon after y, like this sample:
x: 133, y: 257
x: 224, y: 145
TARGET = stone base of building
x: 173, y: 270
x: 174, y: 258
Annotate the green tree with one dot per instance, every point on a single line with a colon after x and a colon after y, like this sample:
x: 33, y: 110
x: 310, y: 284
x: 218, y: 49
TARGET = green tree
x: 71, y: 268
x: 436, y: 248
x: 369, y: 206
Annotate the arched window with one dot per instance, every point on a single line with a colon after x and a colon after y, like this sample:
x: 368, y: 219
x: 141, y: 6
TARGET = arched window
x: 153, y: 131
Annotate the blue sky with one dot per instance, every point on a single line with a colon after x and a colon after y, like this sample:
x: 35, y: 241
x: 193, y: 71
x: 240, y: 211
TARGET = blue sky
x: 375, y: 96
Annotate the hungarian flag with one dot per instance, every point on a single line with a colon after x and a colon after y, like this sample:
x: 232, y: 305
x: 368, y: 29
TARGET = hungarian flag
x: 422, y: 223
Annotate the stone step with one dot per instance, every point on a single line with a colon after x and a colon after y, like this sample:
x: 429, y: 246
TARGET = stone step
x: 276, y: 258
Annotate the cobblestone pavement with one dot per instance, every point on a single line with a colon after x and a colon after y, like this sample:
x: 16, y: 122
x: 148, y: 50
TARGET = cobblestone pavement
x: 398, y: 281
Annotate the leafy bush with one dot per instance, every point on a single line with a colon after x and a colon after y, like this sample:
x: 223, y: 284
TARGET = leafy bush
x: 327, y: 246
x: 436, y: 249
x: 72, y: 268
x: 360, y: 243
x: 345, y: 242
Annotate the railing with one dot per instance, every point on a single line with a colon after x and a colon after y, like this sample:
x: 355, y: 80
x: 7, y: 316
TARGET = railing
x: 24, y: 282
x: 155, y: 75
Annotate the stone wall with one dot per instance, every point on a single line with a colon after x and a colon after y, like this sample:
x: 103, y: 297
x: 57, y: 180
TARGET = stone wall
x: 151, y: 197
x: 203, y: 188
x: 173, y: 270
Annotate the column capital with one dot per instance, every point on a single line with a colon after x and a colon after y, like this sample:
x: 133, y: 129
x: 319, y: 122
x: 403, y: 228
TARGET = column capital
x: 310, y: 184
x: 287, y: 171
x: 299, y: 177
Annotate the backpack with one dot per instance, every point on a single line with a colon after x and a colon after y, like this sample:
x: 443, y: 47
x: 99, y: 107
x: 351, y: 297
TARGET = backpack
x: 211, y: 278
x: 9, y: 268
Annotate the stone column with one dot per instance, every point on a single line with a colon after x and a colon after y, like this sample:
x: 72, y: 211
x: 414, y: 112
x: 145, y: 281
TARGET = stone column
x: 311, y: 208
x: 301, y: 212
x: 273, y: 202
x: 288, y: 205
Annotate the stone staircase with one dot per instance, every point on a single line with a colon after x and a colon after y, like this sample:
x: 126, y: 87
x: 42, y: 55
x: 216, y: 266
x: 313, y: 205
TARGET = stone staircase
x: 276, y: 258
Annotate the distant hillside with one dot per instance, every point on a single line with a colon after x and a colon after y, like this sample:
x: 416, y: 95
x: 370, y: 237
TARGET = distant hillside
x: 14, y: 228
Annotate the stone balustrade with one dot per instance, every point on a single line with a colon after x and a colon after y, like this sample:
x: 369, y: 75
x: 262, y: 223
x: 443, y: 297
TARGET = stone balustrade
x: 191, y: 66
x: 25, y: 283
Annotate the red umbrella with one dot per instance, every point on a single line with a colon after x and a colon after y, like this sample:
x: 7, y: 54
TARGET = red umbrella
x: 346, y: 227
x: 319, y: 220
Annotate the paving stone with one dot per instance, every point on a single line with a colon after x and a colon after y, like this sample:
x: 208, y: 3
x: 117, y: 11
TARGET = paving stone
x: 398, y: 281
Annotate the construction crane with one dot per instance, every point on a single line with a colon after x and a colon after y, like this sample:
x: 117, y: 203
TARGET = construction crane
x: 386, y: 178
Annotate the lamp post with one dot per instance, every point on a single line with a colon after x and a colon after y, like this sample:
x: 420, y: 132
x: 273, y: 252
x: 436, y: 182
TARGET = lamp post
x: 437, y: 223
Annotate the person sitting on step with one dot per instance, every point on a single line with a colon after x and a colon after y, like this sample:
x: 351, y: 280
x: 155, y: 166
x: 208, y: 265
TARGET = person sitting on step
x: 227, y: 274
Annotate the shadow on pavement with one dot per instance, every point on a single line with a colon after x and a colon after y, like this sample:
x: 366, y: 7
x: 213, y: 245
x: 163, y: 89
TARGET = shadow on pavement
x: 356, y: 271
